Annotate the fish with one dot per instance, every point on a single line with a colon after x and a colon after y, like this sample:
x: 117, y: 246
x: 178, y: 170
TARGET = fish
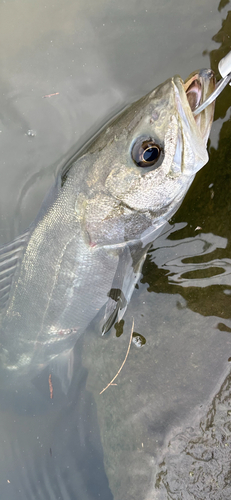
x: 79, y: 261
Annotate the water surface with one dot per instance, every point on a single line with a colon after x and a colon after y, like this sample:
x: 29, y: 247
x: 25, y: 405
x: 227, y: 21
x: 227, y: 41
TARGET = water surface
x: 164, y: 430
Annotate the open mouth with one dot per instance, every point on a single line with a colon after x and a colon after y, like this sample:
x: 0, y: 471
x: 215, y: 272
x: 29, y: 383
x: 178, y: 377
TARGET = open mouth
x: 198, y: 87
x: 193, y: 91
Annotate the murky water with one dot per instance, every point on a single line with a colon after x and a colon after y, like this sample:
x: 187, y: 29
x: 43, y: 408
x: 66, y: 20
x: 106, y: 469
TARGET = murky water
x: 164, y: 430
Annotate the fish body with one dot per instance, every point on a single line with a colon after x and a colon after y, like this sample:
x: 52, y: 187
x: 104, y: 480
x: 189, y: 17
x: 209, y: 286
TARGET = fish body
x: 82, y: 256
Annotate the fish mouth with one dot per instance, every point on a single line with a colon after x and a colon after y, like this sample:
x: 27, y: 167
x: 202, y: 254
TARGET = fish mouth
x: 198, y: 87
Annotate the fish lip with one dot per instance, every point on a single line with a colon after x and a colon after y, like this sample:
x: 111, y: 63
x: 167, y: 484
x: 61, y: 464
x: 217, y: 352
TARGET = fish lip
x: 203, y: 83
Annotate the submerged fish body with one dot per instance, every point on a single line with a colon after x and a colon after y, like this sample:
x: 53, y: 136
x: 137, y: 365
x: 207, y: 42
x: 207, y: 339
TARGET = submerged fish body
x: 82, y: 256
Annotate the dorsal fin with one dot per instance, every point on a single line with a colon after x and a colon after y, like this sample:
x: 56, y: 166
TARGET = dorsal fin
x: 10, y: 259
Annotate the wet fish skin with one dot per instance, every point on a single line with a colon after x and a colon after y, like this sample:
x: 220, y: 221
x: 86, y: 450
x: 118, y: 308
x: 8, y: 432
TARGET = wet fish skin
x: 83, y: 254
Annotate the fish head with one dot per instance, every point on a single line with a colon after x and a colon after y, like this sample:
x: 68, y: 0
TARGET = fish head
x: 139, y: 168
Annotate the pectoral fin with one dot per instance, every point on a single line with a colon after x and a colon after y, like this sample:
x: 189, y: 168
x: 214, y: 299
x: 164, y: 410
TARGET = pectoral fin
x: 126, y: 276
x: 115, y: 302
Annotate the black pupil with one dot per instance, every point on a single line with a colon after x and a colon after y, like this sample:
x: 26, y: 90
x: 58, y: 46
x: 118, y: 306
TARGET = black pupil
x: 146, y: 152
x: 151, y: 154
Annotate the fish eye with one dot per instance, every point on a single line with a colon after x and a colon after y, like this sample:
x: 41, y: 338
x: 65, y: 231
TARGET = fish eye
x: 145, y: 152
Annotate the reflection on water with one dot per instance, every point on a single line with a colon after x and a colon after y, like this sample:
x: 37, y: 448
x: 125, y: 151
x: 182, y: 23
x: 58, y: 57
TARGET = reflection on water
x: 164, y: 430
x: 185, y: 260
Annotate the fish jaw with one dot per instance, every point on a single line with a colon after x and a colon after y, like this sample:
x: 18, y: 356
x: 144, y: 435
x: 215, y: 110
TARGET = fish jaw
x: 189, y: 95
x: 204, y: 83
